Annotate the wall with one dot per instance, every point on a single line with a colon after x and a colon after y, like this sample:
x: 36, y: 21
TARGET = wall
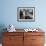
x: 8, y: 13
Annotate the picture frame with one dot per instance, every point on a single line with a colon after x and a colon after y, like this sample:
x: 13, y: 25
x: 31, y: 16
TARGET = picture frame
x: 26, y: 14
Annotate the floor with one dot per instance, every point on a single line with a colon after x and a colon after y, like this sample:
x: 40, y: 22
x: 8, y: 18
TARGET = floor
x: 0, y: 44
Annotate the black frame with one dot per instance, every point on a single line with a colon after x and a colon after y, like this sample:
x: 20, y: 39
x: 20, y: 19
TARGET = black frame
x: 25, y: 10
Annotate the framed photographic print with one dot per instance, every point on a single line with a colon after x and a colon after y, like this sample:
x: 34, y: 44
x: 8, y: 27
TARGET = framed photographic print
x: 26, y: 14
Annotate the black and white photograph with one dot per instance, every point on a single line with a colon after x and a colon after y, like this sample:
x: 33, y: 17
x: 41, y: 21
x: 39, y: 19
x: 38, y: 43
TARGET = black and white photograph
x: 26, y: 14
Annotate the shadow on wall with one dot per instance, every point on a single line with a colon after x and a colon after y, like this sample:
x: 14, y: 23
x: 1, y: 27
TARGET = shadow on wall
x: 2, y: 26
